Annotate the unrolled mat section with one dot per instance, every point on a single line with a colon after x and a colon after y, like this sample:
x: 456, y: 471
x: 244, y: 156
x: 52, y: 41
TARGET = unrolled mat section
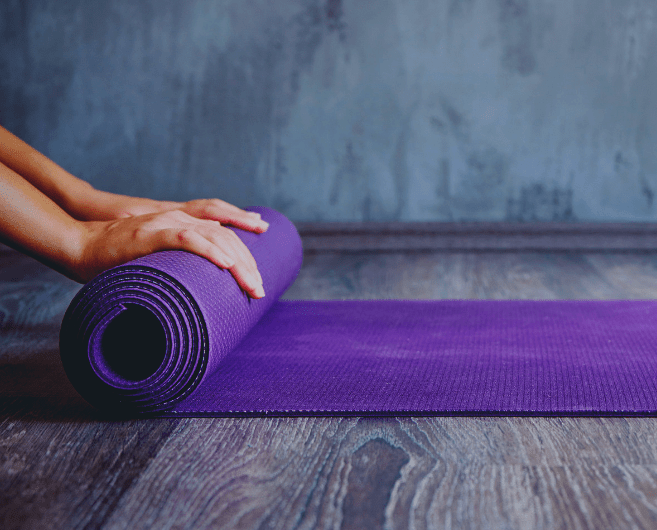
x: 172, y: 335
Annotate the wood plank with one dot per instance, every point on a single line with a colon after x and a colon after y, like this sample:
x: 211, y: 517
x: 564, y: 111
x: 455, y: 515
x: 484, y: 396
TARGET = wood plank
x: 399, y: 473
x: 634, y: 275
x: 453, y: 275
x: 68, y: 472
x: 459, y: 236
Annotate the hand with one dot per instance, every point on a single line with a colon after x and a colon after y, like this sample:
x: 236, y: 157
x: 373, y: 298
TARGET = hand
x: 195, y: 221
x: 95, y: 205
x: 106, y: 244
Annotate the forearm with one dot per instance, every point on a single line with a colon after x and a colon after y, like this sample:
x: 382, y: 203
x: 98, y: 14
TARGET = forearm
x: 66, y: 190
x: 35, y: 225
x: 75, y: 196
x: 67, y: 224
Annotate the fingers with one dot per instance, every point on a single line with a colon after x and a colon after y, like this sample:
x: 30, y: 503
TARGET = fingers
x: 218, y: 210
x: 250, y: 221
x: 225, y: 239
x: 241, y: 249
x: 228, y: 240
x: 222, y: 247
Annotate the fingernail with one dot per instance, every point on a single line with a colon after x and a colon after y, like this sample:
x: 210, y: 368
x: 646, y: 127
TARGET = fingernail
x: 259, y: 291
x: 264, y: 224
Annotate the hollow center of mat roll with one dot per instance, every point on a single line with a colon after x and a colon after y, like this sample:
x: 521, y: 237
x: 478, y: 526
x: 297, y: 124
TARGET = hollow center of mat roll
x: 132, y: 346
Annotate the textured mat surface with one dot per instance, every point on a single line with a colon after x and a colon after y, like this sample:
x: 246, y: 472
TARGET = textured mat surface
x: 170, y: 334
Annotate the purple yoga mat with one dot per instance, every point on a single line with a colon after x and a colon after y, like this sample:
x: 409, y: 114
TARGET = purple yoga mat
x: 171, y: 334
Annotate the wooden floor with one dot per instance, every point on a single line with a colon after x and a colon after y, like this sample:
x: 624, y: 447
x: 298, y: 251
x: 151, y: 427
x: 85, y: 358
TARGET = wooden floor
x: 62, y: 466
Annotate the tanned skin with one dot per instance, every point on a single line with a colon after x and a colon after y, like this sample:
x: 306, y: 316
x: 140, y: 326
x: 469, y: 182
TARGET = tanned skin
x: 80, y: 231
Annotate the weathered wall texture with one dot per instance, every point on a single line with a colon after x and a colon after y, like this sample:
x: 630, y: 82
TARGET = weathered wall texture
x: 346, y: 110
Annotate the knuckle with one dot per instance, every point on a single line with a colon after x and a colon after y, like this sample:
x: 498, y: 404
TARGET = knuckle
x: 211, y: 226
x: 139, y: 233
x: 207, y: 210
x: 167, y: 217
x: 218, y: 229
x: 229, y: 256
x: 183, y: 236
x: 176, y: 215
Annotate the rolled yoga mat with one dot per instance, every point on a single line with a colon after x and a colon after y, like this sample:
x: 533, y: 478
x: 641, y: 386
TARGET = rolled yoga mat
x: 171, y: 334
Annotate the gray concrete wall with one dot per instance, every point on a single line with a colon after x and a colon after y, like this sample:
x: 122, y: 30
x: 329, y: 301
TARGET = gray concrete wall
x: 346, y: 110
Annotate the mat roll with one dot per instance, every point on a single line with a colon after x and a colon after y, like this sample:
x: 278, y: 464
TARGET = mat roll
x: 141, y: 337
x: 171, y: 334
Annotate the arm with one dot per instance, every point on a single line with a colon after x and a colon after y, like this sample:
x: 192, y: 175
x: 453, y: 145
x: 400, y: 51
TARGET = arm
x: 85, y: 203
x: 53, y: 181
x: 73, y: 195
x: 37, y: 225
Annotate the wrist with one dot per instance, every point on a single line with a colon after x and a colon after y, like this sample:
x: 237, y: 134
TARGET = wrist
x: 71, y: 250
x: 96, y: 205
x: 86, y: 203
